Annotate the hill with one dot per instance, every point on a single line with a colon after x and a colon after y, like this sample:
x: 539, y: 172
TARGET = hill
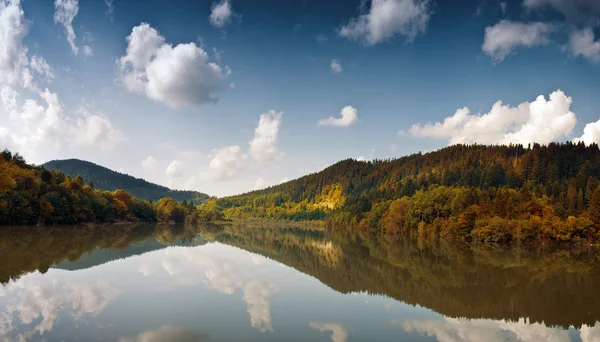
x: 109, y: 180
x: 31, y: 194
x: 489, y: 193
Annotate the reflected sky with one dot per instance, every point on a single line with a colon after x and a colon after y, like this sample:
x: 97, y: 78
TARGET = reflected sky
x: 218, y: 292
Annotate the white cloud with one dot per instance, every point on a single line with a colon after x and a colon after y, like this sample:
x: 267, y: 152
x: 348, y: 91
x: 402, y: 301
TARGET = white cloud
x: 179, y: 76
x: 8, y: 98
x: 39, y: 65
x: 506, y: 36
x: 591, y: 134
x: 65, y: 12
x: 349, y: 117
x: 541, y: 121
x: 284, y: 180
x: 226, y: 162
x: 338, y: 332
x: 175, y: 169
x: 260, y: 183
x: 37, y: 129
x: 149, y: 163
x: 387, y: 18
x: 167, y: 333
x: 475, y: 330
x: 221, y: 13
x: 336, y: 66
x: 96, y: 130
x: 87, y: 51
x: 13, y: 55
x: 583, y: 43
x: 263, y: 146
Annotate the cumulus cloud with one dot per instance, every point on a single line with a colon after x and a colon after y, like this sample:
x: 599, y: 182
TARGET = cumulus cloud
x: 149, y: 163
x: 226, y: 162
x: 541, y: 121
x: 37, y: 126
x: 507, y: 36
x: 221, y: 13
x: 338, y: 332
x: 349, y: 116
x: 175, y: 169
x: 168, y: 333
x: 64, y: 13
x: 583, y: 43
x: 263, y: 146
x: 388, y: 18
x: 179, y: 75
x: 591, y: 134
x: 336, y: 66
x: 13, y: 55
x: 35, y: 129
x: 96, y: 130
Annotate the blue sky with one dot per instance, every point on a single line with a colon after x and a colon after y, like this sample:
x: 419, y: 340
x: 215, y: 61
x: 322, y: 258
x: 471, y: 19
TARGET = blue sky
x: 180, y: 103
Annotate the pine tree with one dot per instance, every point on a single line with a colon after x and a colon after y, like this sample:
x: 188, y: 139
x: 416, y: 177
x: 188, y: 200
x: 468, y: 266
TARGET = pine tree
x: 594, y: 209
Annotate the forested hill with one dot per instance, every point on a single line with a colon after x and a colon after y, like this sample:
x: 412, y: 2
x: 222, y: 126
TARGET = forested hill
x: 109, y: 180
x: 460, y: 190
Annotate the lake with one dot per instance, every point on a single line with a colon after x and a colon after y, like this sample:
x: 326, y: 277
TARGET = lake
x: 241, y: 283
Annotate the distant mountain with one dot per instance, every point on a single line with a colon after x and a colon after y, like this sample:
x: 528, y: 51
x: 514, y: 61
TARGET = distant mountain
x: 106, y: 179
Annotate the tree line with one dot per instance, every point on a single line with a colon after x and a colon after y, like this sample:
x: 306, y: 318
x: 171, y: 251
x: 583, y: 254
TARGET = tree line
x: 33, y: 195
x: 473, y: 192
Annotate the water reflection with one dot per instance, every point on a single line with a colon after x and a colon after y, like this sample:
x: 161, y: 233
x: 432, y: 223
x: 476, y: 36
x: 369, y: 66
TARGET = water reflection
x: 162, y: 283
x: 338, y: 332
x: 38, y: 302
x: 168, y: 333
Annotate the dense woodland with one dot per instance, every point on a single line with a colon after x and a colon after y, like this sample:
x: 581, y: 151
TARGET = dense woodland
x: 34, y: 195
x: 107, y: 179
x: 485, y: 193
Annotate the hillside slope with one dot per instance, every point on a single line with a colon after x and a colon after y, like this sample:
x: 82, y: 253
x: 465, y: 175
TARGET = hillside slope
x: 459, y: 188
x: 106, y: 179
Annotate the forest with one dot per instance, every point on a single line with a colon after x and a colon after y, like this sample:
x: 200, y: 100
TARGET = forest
x: 34, y: 195
x: 466, y: 192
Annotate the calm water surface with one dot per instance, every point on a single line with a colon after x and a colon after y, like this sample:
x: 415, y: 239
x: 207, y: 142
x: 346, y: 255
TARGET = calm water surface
x: 235, y: 283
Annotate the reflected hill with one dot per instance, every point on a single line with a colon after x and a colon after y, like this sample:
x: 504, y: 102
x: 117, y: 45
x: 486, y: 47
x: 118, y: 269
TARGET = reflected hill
x: 557, y: 287
x: 29, y: 249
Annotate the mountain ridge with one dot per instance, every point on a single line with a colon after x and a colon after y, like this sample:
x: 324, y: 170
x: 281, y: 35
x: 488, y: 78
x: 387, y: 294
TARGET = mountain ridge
x: 104, y: 178
x: 494, y: 193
